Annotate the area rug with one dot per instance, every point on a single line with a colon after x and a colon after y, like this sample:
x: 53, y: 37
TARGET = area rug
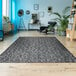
x: 37, y: 50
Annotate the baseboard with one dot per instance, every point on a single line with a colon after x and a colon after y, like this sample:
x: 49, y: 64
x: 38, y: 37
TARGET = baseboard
x: 33, y: 30
x: 22, y: 29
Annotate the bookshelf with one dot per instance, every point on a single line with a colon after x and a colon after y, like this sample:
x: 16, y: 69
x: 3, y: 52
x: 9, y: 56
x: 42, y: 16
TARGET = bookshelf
x: 71, y: 34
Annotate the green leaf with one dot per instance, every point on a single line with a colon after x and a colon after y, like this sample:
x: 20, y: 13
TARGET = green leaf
x: 63, y: 19
x: 57, y: 14
x: 67, y: 16
x: 66, y: 9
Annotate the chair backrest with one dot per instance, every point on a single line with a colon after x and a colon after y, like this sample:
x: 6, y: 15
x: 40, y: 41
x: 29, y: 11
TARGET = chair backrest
x: 52, y: 24
x: 35, y: 18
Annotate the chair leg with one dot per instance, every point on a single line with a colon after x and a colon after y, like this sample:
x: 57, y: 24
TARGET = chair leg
x: 71, y: 39
x: 46, y: 31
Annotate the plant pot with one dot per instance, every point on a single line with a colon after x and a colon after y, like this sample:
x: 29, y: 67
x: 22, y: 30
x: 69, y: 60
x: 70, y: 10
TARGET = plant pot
x: 61, y: 33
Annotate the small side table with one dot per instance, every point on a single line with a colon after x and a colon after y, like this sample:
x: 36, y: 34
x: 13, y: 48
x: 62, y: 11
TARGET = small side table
x: 43, y: 28
x: 39, y: 24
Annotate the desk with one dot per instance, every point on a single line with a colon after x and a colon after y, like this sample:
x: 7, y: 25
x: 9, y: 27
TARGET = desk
x: 38, y: 24
x: 43, y: 28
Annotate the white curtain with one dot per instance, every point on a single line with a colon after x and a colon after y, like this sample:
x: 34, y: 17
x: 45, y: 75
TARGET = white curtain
x: 5, y: 7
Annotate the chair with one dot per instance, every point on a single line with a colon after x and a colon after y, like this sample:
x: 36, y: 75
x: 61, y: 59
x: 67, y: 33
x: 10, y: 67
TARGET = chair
x: 34, y: 21
x: 49, y: 28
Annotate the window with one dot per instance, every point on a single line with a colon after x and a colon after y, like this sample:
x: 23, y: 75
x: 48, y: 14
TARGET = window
x: 5, y: 7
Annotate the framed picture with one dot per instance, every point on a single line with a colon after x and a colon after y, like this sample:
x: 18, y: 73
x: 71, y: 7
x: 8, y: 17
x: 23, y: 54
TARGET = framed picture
x: 27, y: 12
x: 36, y: 6
x: 41, y: 14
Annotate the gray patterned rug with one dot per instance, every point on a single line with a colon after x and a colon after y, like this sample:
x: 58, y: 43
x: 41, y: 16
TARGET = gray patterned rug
x: 37, y: 50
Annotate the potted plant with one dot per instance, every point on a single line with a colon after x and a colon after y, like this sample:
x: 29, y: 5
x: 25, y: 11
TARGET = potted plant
x: 62, y: 19
x: 6, y: 18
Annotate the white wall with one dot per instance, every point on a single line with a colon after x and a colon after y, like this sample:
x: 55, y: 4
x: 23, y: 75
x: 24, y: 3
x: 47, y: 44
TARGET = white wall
x: 57, y: 5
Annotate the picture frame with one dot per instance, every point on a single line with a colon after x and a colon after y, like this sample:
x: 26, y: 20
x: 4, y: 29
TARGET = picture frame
x: 27, y: 12
x: 36, y: 6
x: 41, y: 14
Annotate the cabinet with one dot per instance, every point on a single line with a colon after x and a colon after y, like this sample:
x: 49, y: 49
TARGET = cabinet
x: 1, y: 35
x: 73, y: 7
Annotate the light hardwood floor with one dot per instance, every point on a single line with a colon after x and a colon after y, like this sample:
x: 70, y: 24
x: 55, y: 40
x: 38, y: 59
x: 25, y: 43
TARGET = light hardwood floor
x: 37, y: 69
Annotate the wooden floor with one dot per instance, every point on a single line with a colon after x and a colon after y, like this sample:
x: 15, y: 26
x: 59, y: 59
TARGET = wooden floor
x: 37, y: 69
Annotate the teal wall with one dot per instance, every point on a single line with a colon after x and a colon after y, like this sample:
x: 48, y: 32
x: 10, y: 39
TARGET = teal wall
x: 0, y: 14
x: 12, y: 13
x: 57, y: 5
x: 10, y: 10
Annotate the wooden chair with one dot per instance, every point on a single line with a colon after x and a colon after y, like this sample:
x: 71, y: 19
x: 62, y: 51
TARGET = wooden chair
x: 72, y: 33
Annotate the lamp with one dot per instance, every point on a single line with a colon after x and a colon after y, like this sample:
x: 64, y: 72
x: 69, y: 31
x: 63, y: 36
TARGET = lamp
x: 20, y: 14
